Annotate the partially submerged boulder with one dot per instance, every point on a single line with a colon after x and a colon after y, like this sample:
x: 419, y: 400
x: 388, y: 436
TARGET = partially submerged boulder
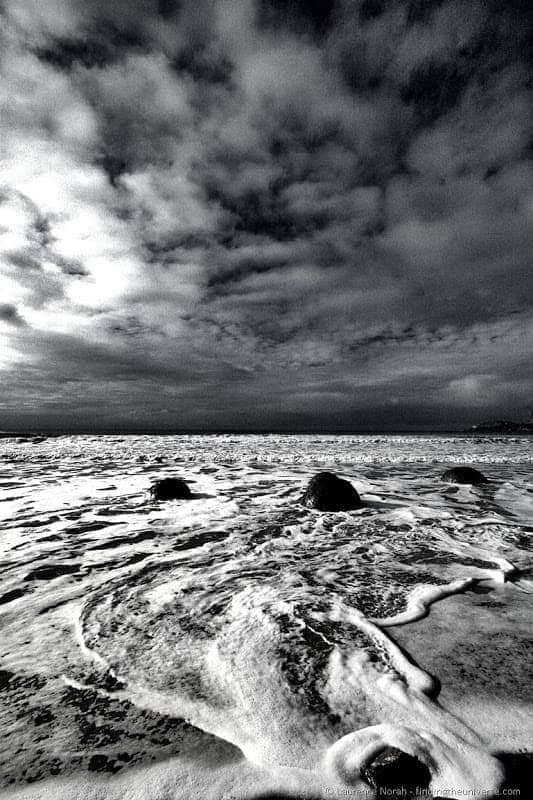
x: 394, y: 769
x: 170, y: 489
x: 326, y: 492
x: 467, y: 475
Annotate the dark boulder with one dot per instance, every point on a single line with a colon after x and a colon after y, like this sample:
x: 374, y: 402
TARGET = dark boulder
x: 466, y: 475
x: 326, y: 492
x: 394, y: 769
x: 170, y: 489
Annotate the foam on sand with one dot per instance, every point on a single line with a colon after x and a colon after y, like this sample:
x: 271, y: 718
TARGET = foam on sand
x: 239, y: 643
x: 231, y: 682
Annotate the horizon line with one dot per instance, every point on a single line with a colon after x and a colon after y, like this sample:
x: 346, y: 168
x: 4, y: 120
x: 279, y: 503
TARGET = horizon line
x: 251, y: 431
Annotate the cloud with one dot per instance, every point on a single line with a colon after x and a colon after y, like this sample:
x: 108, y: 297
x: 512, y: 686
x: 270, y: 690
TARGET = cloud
x: 257, y: 207
x: 10, y: 315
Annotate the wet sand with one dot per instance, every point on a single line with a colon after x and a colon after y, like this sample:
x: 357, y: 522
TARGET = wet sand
x: 477, y: 643
x: 480, y: 646
x: 81, y: 531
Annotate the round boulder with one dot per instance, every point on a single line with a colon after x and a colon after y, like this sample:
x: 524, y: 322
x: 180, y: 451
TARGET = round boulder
x: 394, y: 769
x: 466, y: 475
x: 326, y: 492
x: 170, y: 489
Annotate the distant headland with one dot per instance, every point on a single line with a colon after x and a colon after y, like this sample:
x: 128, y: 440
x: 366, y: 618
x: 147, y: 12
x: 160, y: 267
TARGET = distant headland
x: 502, y: 426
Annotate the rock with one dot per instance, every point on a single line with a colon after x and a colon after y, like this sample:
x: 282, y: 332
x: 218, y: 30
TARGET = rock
x: 392, y: 768
x: 464, y: 475
x: 326, y: 492
x: 170, y: 489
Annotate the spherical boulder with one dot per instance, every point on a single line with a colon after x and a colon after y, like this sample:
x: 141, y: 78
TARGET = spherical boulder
x: 326, y: 492
x: 170, y: 489
x: 394, y: 769
x: 466, y: 475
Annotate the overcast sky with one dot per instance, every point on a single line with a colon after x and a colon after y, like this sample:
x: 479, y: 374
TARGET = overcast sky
x: 264, y: 214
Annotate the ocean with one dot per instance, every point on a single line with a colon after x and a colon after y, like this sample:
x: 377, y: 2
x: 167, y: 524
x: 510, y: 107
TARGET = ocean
x: 240, y: 645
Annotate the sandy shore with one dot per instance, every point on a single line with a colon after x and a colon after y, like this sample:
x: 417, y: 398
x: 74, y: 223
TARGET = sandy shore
x: 77, y: 519
x: 479, y: 645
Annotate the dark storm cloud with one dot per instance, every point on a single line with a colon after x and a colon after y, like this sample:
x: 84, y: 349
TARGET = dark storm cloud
x: 74, y: 359
x: 98, y: 49
x: 299, y: 16
x: 318, y: 208
x: 9, y: 314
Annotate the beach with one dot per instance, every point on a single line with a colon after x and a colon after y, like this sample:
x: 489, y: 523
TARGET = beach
x: 238, y: 644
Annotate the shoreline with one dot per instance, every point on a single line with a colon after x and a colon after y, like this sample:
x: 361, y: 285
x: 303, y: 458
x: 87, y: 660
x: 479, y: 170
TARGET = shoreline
x: 79, y: 509
x: 474, y: 643
x: 478, y: 645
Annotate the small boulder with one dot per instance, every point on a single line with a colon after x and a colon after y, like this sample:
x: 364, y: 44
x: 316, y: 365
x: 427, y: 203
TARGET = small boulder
x: 394, y: 769
x: 170, y: 489
x: 326, y: 492
x: 466, y: 475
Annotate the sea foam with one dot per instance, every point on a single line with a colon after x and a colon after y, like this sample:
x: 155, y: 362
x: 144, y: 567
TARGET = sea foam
x: 240, y: 616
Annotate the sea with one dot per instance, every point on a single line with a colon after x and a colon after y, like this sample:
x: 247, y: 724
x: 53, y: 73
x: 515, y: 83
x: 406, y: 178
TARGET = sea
x: 238, y: 644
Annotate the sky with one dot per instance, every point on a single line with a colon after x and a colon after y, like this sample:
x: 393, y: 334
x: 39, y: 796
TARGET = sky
x: 256, y: 214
